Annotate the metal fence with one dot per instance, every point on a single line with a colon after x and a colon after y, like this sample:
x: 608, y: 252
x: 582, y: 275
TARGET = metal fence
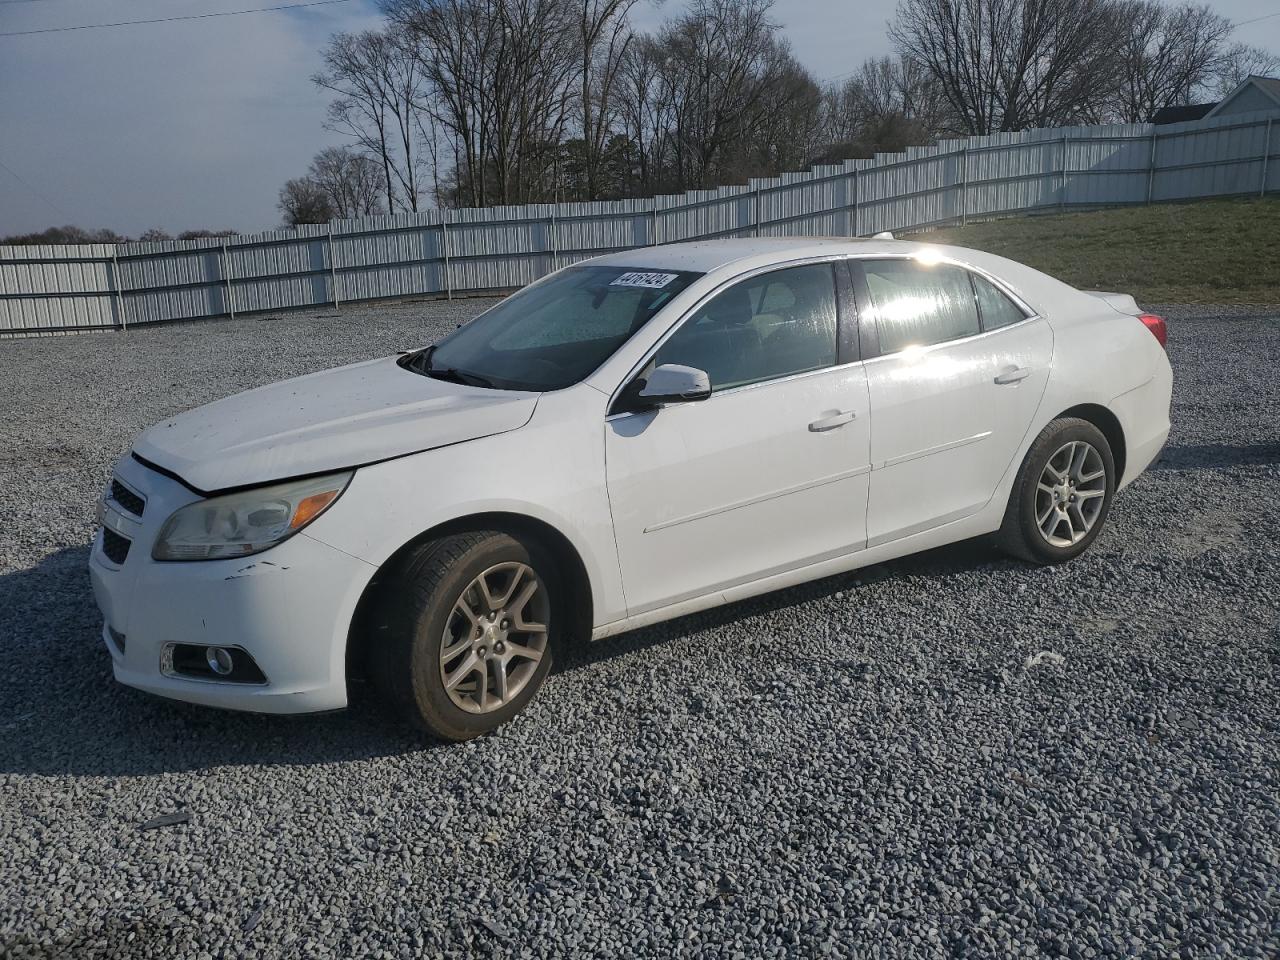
x: 104, y: 286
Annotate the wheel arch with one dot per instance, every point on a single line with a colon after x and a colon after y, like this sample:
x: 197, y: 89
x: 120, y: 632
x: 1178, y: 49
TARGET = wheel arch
x: 362, y: 630
x: 1106, y: 421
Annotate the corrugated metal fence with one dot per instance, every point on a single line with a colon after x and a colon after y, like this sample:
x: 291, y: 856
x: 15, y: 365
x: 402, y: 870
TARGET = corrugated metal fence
x: 103, y: 286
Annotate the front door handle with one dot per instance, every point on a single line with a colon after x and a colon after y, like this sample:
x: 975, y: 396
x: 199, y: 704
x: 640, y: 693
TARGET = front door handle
x: 830, y: 423
x: 1013, y: 376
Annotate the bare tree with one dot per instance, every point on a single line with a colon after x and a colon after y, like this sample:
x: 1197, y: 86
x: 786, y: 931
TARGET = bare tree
x: 349, y: 181
x: 498, y: 77
x: 376, y: 77
x: 1164, y: 55
x: 1010, y: 64
x: 59, y: 235
x: 888, y: 104
x: 303, y: 201
x: 1236, y: 64
x: 645, y: 115
x: 604, y: 37
x: 204, y: 233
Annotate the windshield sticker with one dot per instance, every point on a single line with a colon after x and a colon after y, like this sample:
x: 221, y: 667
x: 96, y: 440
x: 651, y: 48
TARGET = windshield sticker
x: 653, y: 281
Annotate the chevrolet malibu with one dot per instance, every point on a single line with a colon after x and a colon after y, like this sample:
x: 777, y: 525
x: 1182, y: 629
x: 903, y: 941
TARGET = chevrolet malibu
x: 629, y: 439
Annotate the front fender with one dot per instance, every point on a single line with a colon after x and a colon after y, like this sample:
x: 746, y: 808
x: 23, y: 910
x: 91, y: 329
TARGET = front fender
x: 551, y: 471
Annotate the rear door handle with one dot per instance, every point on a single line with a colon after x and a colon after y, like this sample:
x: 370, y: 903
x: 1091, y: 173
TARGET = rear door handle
x: 1013, y: 376
x: 830, y: 423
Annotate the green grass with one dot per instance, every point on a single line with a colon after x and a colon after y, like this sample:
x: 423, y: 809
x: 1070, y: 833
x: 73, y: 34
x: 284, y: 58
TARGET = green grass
x: 1211, y: 251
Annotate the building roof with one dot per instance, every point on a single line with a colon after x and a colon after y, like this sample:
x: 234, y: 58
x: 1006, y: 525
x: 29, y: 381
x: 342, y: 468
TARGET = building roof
x: 1189, y: 111
x: 1269, y: 87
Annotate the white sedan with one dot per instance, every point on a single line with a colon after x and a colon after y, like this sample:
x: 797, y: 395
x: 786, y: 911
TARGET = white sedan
x: 629, y: 439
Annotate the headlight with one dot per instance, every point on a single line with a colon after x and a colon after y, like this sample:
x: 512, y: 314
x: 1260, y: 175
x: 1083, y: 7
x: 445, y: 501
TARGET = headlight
x: 238, y: 524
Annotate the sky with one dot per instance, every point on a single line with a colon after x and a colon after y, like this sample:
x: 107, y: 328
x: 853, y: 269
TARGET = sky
x: 197, y: 124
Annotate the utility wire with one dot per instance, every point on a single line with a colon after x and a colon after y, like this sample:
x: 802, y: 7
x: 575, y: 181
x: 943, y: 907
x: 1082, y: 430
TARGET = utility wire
x: 194, y: 16
x: 34, y: 192
x: 1255, y: 19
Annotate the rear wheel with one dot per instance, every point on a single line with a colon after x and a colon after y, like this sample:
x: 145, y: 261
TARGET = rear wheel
x: 1062, y: 494
x: 470, y: 623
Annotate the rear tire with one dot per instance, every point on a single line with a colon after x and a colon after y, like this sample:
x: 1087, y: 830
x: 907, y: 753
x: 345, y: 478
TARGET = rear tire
x: 1062, y: 494
x: 470, y: 622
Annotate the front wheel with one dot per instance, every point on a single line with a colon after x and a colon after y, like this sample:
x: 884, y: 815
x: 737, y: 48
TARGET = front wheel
x: 470, y: 627
x: 1062, y: 494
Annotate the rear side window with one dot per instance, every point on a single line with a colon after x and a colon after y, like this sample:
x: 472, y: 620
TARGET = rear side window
x: 997, y: 310
x: 916, y: 304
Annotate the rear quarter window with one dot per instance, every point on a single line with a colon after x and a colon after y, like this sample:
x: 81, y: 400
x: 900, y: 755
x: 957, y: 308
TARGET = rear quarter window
x: 997, y: 309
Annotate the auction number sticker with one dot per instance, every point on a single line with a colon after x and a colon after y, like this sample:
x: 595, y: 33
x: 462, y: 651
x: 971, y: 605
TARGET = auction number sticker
x: 653, y: 281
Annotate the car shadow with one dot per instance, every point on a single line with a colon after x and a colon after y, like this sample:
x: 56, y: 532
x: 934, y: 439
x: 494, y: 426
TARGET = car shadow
x: 62, y: 712
x: 1213, y: 455
x: 976, y: 554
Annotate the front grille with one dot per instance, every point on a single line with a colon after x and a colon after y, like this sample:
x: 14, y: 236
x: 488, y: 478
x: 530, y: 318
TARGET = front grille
x: 127, y: 498
x: 114, y: 546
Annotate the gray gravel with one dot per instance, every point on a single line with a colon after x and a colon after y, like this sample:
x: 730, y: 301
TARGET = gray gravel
x: 873, y: 765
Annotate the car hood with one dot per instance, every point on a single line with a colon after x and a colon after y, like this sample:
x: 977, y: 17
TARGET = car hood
x: 339, y: 418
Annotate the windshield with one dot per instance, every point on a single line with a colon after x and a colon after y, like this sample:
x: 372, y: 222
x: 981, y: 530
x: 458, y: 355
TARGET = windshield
x: 552, y: 334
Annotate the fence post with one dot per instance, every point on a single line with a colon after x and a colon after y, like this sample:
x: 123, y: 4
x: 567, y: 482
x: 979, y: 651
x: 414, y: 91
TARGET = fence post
x: 1266, y: 154
x: 115, y: 287
x: 555, y: 246
x: 857, y: 199
x: 1151, y: 166
x: 333, y: 266
x: 756, y: 213
x: 964, y: 184
x: 444, y: 246
x: 1062, y: 166
x: 653, y: 236
x: 226, y: 276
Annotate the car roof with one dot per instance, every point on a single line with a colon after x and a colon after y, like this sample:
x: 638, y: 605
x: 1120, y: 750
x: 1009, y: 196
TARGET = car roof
x: 705, y: 256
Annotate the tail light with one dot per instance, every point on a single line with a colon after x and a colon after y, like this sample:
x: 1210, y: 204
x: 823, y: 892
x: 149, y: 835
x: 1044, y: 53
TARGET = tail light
x: 1157, y: 327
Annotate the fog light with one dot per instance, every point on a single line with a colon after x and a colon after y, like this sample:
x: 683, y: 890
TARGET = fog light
x: 219, y: 660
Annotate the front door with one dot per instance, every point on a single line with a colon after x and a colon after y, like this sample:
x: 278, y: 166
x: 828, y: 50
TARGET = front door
x: 770, y: 472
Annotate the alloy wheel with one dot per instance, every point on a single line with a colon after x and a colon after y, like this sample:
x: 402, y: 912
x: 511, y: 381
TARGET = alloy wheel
x: 1070, y: 493
x: 495, y: 637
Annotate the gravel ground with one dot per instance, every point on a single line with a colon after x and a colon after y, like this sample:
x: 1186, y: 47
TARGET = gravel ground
x: 871, y: 765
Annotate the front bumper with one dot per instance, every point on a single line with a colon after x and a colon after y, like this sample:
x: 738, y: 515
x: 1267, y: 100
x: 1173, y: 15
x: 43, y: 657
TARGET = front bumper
x: 289, y: 608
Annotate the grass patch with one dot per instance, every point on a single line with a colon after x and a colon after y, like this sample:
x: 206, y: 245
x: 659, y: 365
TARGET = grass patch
x: 1211, y: 251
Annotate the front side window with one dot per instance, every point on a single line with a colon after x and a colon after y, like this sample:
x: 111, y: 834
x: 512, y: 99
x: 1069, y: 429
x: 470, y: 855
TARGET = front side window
x: 917, y: 304
x: 552, y: 334
x: 772, y: 325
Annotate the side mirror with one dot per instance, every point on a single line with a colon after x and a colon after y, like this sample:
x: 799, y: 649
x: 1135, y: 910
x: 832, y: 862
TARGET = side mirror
x: 674, y: 383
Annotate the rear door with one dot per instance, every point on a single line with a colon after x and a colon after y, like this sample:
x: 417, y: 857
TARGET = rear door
x: 767, y: 474
x: 958, y: 372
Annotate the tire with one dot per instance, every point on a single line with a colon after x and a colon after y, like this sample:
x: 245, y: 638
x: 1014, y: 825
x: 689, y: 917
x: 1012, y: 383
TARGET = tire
x: 1027, y: 517
x: 420, y: 661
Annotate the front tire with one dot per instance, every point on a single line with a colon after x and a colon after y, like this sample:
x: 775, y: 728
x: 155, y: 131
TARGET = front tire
x: 470, y: 630
x: 1062, y: 494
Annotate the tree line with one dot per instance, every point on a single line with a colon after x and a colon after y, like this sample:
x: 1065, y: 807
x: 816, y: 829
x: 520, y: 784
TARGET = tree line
x: 485, y: 102
x: 74, y: 234
x: 474, y: 103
